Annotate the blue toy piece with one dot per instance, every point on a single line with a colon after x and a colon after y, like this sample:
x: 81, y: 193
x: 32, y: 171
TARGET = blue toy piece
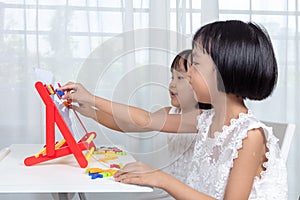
x: 59, y: 93
x: 95, y: 175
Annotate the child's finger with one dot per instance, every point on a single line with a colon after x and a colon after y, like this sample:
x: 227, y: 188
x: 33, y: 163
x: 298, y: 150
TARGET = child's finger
x: 124, y: 175
x: 69, y: 86
x: 128, y: 169
x: 75, y: 107
x: 131, y: 179
x: 120, y: 172
x: 69, y: 97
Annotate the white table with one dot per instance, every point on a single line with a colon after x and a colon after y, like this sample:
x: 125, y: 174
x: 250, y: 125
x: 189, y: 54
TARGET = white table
x: 62, y: 175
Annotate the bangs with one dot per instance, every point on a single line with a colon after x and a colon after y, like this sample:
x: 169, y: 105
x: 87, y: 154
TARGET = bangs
x: 182, y: 56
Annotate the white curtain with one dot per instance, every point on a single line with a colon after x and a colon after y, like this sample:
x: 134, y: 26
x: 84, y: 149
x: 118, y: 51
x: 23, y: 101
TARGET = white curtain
x: 122, y: 50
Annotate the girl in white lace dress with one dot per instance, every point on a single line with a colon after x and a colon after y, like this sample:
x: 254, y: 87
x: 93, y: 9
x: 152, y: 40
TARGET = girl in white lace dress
x: 235, y: 156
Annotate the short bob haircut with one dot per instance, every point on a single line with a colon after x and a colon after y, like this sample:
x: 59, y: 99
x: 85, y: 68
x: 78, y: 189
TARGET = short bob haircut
x: 184, y: 55
x: 243, y: 55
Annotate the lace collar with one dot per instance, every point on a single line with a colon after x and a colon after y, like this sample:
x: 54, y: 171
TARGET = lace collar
x: 205, y: 120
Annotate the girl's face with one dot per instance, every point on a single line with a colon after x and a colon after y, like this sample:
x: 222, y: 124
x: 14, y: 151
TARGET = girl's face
x: 202, y: 74
x: 181, y: 92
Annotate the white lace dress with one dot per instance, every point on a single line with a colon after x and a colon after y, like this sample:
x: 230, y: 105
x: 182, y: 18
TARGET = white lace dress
x: 180, y: 148
x: 213, y: 159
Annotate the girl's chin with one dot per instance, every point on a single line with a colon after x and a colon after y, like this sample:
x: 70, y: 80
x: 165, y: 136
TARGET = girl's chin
x: 175, y: 103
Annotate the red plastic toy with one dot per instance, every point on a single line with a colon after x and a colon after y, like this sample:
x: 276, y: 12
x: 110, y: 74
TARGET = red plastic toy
x: 67, y: 146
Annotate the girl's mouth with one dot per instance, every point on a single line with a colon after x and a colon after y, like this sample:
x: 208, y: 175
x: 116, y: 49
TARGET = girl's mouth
x: 173, y: 94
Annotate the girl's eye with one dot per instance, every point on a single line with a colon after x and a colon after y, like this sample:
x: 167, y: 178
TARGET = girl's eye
x: 172, y: 77
x: 180, y: 77
x: 194, y: 63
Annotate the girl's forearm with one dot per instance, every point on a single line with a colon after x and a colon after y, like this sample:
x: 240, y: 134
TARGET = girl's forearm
x: 127, y: 118
x: 106, y: 120
x: 181, y: 191
x: 132, y: 119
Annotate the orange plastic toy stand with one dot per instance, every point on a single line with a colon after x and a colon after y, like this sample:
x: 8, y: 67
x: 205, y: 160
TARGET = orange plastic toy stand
x: 70, y: 146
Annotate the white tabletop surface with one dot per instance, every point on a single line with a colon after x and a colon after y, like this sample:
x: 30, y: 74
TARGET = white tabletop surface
x: 58, y: 175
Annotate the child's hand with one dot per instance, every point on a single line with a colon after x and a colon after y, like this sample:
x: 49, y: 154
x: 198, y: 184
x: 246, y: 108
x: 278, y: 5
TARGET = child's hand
x: 75, y: 92
x: 140, y: 174
x: 86, y: 110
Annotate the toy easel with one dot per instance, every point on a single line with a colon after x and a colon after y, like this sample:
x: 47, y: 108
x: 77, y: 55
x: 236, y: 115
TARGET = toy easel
x: 66, y: 146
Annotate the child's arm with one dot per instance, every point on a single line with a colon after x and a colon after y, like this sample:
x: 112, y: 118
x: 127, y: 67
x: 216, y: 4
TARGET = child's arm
x: 128, y: 118
x: 97, y: 115
x: 248, y: 165
x: 141, y: 174
x: 90, y: 111
x: 133, y: 119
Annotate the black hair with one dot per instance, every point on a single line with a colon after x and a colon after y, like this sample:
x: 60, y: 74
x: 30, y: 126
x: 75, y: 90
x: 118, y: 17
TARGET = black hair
x: 243, y: 55
x: 183, y: 55
x: 175, y: 65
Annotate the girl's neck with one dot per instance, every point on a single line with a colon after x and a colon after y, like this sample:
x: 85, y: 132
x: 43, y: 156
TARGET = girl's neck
x: 190, y: 109
x: 225, y: 110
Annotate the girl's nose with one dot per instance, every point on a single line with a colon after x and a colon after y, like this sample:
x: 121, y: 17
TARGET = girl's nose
x: 172, y: 84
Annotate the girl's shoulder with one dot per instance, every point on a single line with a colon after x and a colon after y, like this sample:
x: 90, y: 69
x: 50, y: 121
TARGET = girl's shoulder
x: 246, y: 123
x: 238, y: 129
x: 273, y: 178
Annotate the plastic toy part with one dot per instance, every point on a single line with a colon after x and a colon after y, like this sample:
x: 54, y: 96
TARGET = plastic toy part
x: 110, y: 153
x: 115, y: 166
x: 109, y: 150
x: 100, y: 173
x: 66, y: 146
x: 67, y: 104
x: 50, y: 89
x: 90, y: 152
x: 59, y: 93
